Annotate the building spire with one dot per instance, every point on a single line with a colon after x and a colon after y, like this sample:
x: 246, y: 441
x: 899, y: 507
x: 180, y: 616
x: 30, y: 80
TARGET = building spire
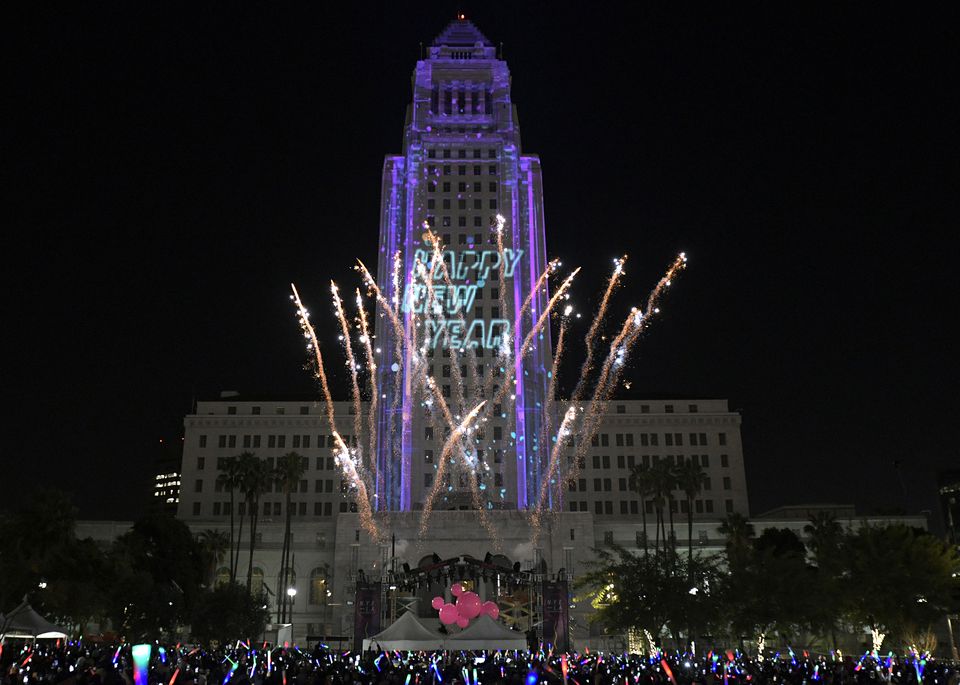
x: 461, y: 39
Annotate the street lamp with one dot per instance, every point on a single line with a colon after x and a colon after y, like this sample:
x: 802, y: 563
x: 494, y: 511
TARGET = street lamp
x: 291, y: 593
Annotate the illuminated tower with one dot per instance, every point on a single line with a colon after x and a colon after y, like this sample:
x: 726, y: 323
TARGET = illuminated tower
x: 461, y: 166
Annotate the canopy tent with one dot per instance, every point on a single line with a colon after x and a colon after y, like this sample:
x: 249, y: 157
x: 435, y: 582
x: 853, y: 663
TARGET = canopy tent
x: 25, y: 622
x: 407, y: 633
x: 485, y: 633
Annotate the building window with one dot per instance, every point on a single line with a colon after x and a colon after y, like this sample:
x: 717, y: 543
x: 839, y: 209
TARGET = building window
x: 198, y: 486
x: 201, y: 462
x: 203, y: 441
x: 255, y: 410
x: 726, y: 483
x: 318, y: 586
x: 722, y: 438
x: 693, y: 408
x: 668, y: 409
x: 724, y: 460
x: 427, y: 480
x: 196, y: 508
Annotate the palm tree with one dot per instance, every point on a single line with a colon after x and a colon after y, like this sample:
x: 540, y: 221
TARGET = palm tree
x: 739, y: 532
x: 290, y: 468
x: 661, y: 490
x: 257, y: 476
x: 691, y: 479
x: 825, y: 533
x: 825, y: 540
x: 640, y: 482
x: 229, y: 479
x: 213, y: 546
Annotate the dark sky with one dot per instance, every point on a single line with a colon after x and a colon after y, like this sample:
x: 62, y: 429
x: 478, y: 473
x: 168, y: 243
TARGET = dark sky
x: 170, y: 168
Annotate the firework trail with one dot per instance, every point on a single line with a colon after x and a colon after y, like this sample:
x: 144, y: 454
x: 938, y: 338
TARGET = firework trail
x: 553, y: 465
x: 528, y: 341
x: 349, y: 466
x: 363, y: 502
x: 372, y: 380
x: 554, y: 369
x: 451, y: 442
x: 384, y: 302
x: 351, y: 362
x: 635, y: 323
x: 595, y: 326
x: 303, y: 317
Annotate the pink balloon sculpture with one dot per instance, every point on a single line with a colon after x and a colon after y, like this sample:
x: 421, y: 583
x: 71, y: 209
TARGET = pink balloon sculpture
x: 463, y: 622
x: 456, y: 589
x: 490, y: 609
x: 437, y: 603
x: 468, y: 605
x: 448, y: 614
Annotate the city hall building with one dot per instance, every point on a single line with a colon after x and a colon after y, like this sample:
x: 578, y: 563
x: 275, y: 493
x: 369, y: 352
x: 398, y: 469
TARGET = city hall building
x: 460, y: 333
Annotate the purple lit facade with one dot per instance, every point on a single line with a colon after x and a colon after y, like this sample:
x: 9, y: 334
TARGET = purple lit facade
x: 462, y: 165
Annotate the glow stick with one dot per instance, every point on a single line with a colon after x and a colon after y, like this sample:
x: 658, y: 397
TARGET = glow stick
x: 141, y: 662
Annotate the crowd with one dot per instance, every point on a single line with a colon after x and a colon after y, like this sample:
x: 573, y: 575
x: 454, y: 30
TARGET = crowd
x: 76, y: 663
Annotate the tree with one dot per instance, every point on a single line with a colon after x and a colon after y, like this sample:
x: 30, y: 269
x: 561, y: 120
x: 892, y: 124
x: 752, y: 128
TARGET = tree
x: 825, y: 539
x: 226, y: 612
x: 638, y: 592
x: 768, y: 588
x: 738, y: 532
x: 290, y: 469
x: 257, y: 477
x: 158, y: 571
x: 229, y: 479
x: 640, y: 483
x: 691, y: 479
x: 662, y: 483
x: 39, y: 545
x: 898, y: 579
x: 213, y: 547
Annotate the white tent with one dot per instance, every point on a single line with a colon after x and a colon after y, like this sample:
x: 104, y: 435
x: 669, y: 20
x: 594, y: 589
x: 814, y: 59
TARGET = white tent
x: 405, y: 634
x: 485, y: 633
x: 25, y: 622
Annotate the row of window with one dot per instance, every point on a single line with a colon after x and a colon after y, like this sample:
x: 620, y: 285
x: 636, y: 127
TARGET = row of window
x: 620, y: 408
x: 623, y: 484
x: 497, y: 456
x: 462, y: 481
x: 629, y: 461
x: 278, y: 441
x: 653, y: 439
x: 447, y: 153
x: 319, y: 590
x: 464, y: 170
x: 628, y: 507
x: 275, y: 508
x: 446, y: 221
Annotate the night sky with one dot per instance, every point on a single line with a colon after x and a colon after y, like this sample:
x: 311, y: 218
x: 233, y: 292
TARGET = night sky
x: 170, y: 168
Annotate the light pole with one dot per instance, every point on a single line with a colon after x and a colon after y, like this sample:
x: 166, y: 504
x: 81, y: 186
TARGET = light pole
x: 291, y: 593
